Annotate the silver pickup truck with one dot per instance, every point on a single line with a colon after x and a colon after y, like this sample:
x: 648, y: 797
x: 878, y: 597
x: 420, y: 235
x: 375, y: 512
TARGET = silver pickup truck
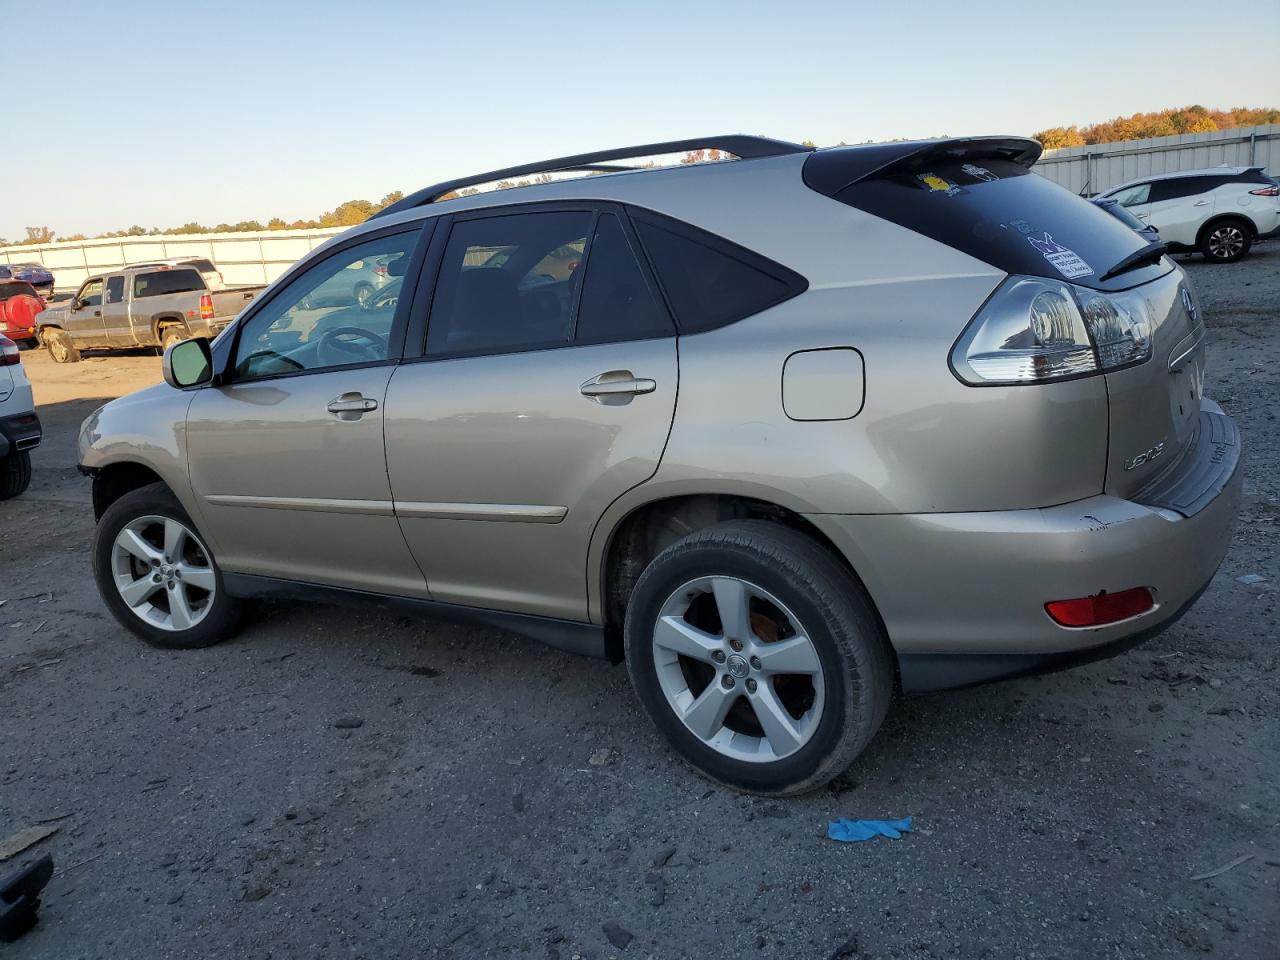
x: 141, y: 306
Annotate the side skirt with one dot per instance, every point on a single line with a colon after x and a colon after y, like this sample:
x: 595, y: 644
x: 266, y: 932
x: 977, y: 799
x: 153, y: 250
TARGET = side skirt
x: 586, y: 639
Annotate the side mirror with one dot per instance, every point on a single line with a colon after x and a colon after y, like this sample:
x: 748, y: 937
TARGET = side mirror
x: 188, y: 363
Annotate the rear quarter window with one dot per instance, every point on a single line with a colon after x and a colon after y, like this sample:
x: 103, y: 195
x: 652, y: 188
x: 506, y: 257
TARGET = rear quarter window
x: 708, y: 281
x: 1003, y: 214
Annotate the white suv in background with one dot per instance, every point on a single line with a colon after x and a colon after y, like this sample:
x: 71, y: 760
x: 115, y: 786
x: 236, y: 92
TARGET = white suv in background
x: 1221, y: 211
x: 19, y: 425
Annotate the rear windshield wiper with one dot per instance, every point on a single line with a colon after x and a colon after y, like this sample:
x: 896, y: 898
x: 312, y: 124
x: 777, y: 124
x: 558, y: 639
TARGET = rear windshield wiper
x: 1151, y: 253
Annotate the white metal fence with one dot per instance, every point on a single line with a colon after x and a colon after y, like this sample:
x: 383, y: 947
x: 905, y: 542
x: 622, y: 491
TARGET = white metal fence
x: 243, y: 258
x: 1091, y: 170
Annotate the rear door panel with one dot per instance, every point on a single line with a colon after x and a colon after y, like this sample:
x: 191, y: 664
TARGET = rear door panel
x: 500, y: 467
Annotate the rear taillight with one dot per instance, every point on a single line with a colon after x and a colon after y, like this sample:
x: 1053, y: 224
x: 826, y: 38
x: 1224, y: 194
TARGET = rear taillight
x: 206, y: 307
x: 1102, y: 609
x: 1034, y: 330
x: 9, y: 355
x: 1266, y: 192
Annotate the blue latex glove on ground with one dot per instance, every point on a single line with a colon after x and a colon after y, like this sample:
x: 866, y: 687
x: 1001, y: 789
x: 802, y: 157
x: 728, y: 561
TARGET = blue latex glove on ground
x: 850, y: 831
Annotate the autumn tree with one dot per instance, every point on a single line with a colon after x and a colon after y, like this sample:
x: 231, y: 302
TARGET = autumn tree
x: 1162, y: 123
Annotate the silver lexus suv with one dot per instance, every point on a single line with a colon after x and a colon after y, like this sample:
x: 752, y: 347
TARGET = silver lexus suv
x: 785, y: 433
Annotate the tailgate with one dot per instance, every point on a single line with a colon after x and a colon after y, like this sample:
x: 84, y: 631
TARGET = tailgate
x: 1155, y: 406
x: 229, y: 303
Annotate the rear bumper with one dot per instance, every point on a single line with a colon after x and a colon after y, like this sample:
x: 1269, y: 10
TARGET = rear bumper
x: 962, y: 595
x: 19, y: 432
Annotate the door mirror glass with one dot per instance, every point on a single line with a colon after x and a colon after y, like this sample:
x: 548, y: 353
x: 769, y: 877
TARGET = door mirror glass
x: 188, y: 364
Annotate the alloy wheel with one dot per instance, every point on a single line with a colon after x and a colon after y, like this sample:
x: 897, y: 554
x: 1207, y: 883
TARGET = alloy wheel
x: 738, y: 669
x: 163, y: 572
x: 1226, y: 242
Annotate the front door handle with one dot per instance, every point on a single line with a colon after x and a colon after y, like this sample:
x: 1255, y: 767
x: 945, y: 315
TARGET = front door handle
x: 351, y: 406
x: 616, y: 387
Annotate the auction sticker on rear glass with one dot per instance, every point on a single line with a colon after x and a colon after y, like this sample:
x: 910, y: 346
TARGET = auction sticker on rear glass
x: 1063, y: 259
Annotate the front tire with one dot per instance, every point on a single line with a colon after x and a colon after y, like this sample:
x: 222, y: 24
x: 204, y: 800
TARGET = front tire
x: 157, y: 576
x: 60, y: 346
x: 759, y: 656
x: 1226, y: 241
x: 15, y: 474
x: 364, y: 296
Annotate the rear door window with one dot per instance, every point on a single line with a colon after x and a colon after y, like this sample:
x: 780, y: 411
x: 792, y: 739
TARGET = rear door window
x: 617, y: 301
x: 1175, y: 188
x: 508, y: 283
x: 167, y: 281
x: 708, y: 281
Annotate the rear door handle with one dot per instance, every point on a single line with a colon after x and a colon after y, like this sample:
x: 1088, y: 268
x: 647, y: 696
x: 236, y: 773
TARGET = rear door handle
x: 616, y: 387
x: 1201, y: 203
x: 351, y: 406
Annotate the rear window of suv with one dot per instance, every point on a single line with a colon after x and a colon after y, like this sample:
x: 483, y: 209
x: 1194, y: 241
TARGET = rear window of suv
x: 166, y: 281
x: 1000, y: 212
x: 19, y: 289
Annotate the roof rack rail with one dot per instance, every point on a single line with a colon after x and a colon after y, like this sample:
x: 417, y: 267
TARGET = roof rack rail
x: 740, y: 145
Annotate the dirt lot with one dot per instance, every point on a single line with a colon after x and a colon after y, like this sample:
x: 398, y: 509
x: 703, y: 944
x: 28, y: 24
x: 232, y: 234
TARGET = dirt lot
x: 212, y: 809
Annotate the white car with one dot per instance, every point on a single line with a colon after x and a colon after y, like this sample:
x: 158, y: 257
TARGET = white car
x: 1221, y: 211
x: 19, y: 425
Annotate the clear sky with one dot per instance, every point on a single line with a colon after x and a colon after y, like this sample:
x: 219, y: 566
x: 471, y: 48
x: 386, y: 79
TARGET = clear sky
x: 163, y: 113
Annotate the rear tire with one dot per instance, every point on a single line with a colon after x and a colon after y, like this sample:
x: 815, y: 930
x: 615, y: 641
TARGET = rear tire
x: 800, y: 603
x: 157, y: 576
x: 364, y: 296
x: 1226, y: 241
x: 170, y: 335
x: 15, y: 474
x: 60, y: 346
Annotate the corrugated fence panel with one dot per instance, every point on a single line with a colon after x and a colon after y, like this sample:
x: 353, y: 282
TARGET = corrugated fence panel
x: 1091, y: 170
x: 243, y: 258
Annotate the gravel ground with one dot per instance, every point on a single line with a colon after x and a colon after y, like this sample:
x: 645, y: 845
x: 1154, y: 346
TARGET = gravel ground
x: 495, y: 798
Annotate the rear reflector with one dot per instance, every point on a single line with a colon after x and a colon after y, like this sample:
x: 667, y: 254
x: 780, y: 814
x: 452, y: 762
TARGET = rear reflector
x: 1102, y: 609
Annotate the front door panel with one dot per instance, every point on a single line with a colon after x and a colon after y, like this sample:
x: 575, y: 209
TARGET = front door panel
x: 500, y: 466
x: 289, y: 489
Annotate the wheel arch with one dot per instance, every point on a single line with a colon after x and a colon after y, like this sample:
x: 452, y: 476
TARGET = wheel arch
x: 159, y: 322
x: 623, y: 549
x: 1218, y: 218
x: 113, y: 481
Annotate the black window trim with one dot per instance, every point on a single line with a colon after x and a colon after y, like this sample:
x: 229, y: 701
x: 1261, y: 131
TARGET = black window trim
x: 424, y: 297
x: 224, y: 359
x: 794, y: 283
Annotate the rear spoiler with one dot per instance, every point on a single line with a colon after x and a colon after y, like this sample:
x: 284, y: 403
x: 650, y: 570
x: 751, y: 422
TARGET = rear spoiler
x: 830, y: 171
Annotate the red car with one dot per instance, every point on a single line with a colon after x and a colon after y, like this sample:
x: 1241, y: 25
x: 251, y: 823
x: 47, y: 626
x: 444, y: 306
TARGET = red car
x: 19, y: 304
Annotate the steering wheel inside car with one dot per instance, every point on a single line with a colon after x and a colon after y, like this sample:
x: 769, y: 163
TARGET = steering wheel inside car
x: 349, y: 345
